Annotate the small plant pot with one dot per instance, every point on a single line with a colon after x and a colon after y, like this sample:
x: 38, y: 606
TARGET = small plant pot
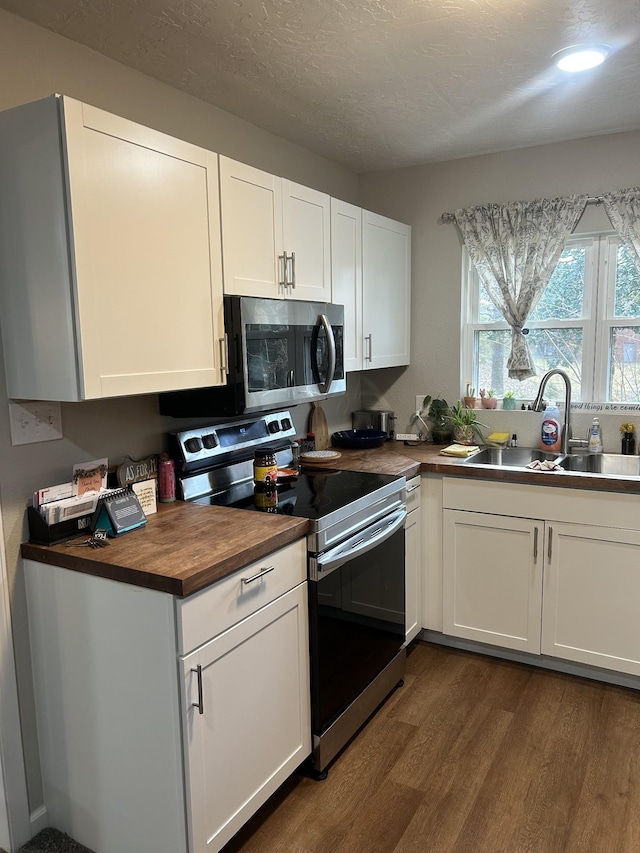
x: 488, y: 402
x: 463, y: 434
x: 509, y: 403
x: 470, y: 402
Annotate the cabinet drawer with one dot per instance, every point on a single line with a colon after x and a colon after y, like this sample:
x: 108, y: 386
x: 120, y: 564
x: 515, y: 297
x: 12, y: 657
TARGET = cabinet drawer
x: 413, y: 493
x: 207, y: 613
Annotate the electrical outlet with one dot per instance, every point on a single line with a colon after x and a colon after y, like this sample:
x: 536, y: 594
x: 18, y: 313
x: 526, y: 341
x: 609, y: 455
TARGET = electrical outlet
x: 33, y: 421
x: 407, y: 436
x: 419, y: 401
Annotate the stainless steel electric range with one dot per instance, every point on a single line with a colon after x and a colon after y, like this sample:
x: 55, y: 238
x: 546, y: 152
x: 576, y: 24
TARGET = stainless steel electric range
x: 356, y: 562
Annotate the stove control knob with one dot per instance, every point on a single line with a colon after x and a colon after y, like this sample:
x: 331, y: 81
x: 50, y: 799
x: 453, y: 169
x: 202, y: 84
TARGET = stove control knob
x: 193, y: 445
x: 210, y: 440
x: 285, y: 423
x: 273, y: 426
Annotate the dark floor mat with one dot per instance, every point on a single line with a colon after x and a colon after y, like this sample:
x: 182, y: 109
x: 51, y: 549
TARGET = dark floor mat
x: 53, y: 841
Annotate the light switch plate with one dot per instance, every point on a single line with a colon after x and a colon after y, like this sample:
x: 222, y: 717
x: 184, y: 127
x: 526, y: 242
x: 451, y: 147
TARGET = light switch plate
x: 32, y: 421
x: 419, y: 401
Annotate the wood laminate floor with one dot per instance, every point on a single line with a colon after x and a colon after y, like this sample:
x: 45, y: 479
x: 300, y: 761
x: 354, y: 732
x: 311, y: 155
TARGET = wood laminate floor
x: 472, y: 755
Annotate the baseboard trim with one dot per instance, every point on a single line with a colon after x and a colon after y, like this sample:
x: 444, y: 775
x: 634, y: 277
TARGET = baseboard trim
x: 39, y: 820
x: 582, y: 670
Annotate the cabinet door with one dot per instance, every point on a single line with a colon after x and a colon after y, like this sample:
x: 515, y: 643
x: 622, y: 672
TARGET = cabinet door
x: 386, y: 287
x: 413, y: 584
x: 346, y: 276
x: 251, y: 205
x: 253, y: 727
x: 492, y: 579
x: 307, y: 235
x: 591, y: 609
x: 146, y: 247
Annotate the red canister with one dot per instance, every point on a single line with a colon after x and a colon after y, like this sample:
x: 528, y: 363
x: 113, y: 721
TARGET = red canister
x: 166, y: 480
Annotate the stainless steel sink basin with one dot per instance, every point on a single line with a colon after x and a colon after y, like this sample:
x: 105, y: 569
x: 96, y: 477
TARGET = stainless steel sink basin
x: 612, y: 464
x: 602, y: 464
x: 510, y: 457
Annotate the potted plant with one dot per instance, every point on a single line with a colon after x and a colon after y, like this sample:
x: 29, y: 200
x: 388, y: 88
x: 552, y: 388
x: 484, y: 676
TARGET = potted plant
x: 465, y: 423
x: 470, y: 396
x: 488, y: 399
x: 509, y: 400
x: 437, y: 410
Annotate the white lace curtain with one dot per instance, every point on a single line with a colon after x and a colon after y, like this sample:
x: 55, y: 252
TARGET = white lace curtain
x: 515, y: 248
x: 623, y: 209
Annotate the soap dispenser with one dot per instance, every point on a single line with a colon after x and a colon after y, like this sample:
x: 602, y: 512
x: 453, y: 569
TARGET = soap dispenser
x: 594, y: 437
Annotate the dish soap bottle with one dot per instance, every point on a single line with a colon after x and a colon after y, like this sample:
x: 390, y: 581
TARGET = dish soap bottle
x: 595, y: 437
x: 551, y: 431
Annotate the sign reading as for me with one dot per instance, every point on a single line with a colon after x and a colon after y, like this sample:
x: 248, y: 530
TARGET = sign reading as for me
x: 136, y: 470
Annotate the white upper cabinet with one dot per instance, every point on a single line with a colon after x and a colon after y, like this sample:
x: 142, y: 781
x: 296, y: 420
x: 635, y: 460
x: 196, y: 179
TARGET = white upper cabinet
x: 111, y: 277
x: 386, y: 273
x: 275, y: 235
x: 346, y: 276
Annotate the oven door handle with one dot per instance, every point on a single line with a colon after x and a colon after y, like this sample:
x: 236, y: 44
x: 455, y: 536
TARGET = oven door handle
x: 360, y: 543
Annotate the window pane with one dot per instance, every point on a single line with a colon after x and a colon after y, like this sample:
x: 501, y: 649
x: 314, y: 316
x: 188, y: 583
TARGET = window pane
x: 550, y: 348
x: 627, y: 296
x: 563, y: 297
x: 487, y: 311
x: 624, y: 368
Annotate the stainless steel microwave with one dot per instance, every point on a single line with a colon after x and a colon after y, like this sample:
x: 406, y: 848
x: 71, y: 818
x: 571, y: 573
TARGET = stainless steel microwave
x: 279, y: 352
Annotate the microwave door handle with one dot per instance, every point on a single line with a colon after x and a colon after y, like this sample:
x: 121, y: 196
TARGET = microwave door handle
x: 359, y: 544
x: 331, y: 343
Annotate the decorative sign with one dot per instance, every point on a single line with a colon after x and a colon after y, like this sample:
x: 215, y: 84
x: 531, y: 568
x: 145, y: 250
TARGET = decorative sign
x: 136, y: 470
x: 605, y: 407
x: 146, y: 492
x: 90, y: 476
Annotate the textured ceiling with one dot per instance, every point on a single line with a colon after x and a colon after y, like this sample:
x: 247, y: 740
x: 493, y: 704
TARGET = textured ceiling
x: 377, y: 84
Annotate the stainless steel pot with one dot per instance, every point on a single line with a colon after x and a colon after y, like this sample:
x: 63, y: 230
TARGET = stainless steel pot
x: 380, y: 419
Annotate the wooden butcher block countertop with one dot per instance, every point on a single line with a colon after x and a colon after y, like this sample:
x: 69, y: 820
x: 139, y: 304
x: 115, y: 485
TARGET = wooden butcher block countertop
x: 182, y: 548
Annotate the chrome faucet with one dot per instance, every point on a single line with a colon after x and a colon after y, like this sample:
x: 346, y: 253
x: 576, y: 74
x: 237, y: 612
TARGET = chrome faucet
x: 566, y: 441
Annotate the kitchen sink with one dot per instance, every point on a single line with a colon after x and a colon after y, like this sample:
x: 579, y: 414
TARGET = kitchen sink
x: 510, y: 457
x: 612, y: 464
x: 602, y: 464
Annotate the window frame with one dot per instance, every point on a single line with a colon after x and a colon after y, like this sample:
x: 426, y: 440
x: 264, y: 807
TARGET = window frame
x: 597, y: 319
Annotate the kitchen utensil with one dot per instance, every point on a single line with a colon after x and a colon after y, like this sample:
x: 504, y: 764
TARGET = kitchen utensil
x: 359, y: 438
x: 319, y: 427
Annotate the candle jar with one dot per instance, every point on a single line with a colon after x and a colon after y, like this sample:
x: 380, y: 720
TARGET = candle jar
x: 628, y: 443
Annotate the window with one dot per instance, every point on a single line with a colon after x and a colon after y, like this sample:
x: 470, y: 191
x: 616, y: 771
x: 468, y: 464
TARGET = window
x: 587, y: 322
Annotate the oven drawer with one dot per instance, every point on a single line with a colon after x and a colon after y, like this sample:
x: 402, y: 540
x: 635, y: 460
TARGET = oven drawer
x: 412, y: 500
x: 207, y: 613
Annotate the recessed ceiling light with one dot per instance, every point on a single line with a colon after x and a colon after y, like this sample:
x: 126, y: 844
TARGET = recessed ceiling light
x: 580, y: 57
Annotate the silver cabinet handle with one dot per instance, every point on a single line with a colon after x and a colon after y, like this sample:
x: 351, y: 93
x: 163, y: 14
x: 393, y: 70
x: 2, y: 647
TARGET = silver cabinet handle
x: 413, y: 488
x: 549, y: 544
x: 282, y: 266
x: 292, y: 279
x: 260, y: 574
x: 535, y: 545
x: 368, y: 338
x: 224, y: 358
x: 200, y: 703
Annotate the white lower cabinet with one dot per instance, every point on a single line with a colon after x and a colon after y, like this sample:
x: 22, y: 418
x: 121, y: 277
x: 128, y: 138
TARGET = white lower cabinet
x: 567, y: 586
x: 492, y: 585
x: 247, y: 716
x: 165, y: 723
x: 413, y: 561
x: 591, y: 607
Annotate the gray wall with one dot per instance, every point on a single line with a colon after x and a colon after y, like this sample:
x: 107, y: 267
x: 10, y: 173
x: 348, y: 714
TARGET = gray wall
x: 33, y: 64
x: 420, y: 195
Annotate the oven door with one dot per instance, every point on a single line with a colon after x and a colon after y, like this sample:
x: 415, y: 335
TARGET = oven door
x: 356, y: 615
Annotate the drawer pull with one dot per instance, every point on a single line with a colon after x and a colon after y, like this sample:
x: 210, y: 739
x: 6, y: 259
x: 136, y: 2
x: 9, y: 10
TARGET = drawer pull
x: 200, y: 703
x: 260, y: 574
x: 412, y: 488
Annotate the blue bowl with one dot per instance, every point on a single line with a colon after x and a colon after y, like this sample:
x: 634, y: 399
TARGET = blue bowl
x: 359, y: 438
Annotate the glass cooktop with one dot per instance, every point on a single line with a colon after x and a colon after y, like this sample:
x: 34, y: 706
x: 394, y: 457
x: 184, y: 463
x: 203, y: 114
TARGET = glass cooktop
x: 312, y: 494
